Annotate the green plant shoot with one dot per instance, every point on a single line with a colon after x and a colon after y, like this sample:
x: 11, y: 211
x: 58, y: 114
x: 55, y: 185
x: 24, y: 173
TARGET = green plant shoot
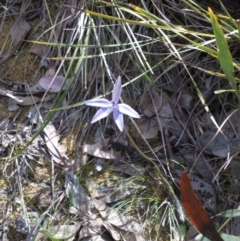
x: 223, y: 54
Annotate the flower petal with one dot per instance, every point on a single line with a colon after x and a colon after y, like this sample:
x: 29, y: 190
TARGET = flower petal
x: 118, y: 118
x: 101, y: 113
x: 98, y: 103
x: 127, y: 110
x: 117, y: 90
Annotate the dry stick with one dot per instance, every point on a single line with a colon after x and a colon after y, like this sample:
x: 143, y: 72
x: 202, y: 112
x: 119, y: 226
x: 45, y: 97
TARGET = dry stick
x: 9, y: 93
x: 169, y: 147
x: 170, y: 156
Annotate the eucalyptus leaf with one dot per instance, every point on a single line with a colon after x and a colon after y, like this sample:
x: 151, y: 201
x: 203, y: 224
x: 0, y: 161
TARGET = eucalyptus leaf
x: 230, y: 213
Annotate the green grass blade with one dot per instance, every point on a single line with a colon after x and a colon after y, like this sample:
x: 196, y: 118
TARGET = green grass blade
x: 223, y: 55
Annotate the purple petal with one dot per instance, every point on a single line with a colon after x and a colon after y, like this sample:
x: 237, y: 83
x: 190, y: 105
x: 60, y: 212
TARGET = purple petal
x: 51, y: 83
x: 118, y: 118
x: 127, y: 110
x: 99, y: 103
x: 117, y: 90
x: 101, y: 113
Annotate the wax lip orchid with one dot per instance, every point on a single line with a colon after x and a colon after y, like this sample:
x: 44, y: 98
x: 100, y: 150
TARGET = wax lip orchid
x: 112, y: 106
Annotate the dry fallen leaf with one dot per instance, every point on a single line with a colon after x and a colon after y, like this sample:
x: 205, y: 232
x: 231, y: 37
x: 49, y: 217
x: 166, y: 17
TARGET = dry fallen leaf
x: 236, y: 223
x: 14, y: 103
x: 112, y: 230
x: 117, y: 195
x: 44, y: 53
x: 118, y: 220
x: 148, y: 127
x: 195, y: 211
x: 25, y: 100
x: 57, y: 150
x: 150, y: 102
x: 78, y: 196
x: 125, y: 226
x: 165, y: 115
x: 65, y: 232
x: 4, y: 124
x: 38, y: 49
x: 122, y: 221
x: 102, y: 237
x: 51, y: 83
x: 180, y: 96
x: 127, y: 236
x: 18, y: 33
x: 93, y: 188
x: 20, y: 30
x: 219, y: 144
x: 186, y: 100
x: 107, y: 195
x: 95, y: 150
x: 222, y: 143
x: 93, y: 228
x: 205, y: 193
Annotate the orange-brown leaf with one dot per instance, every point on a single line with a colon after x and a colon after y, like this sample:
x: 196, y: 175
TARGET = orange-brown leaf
x: 195, y: 211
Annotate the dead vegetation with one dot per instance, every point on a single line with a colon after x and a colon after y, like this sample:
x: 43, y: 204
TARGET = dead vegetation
x: 63, y: 178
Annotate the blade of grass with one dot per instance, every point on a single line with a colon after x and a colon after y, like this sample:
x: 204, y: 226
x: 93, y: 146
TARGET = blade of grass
x: 223, y: 53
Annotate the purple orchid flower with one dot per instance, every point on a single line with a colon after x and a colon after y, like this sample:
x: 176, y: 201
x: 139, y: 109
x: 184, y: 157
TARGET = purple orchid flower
x: 112, y: 106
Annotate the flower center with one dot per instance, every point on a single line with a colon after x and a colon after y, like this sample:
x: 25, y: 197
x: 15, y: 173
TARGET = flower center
x: 113, y: 103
